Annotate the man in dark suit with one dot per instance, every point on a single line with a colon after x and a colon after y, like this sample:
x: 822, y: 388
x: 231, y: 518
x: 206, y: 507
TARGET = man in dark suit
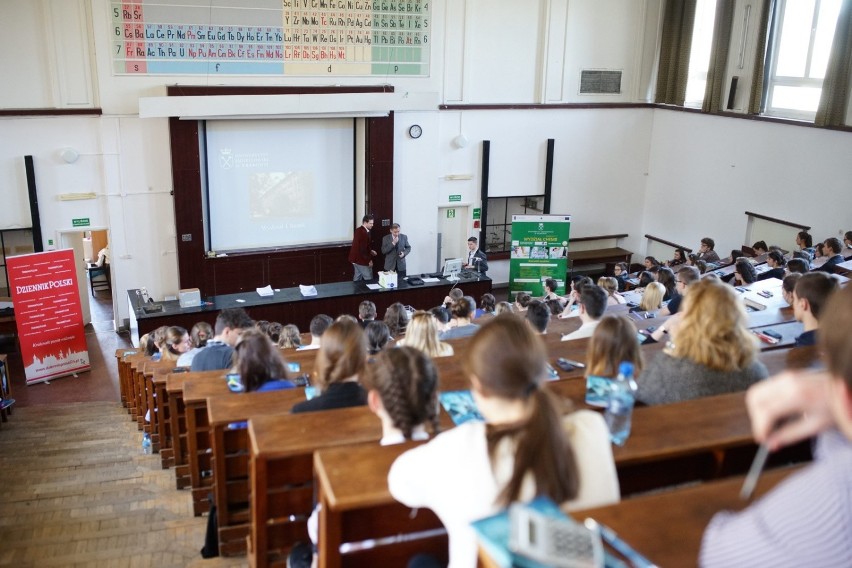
x: 476, y: 259
x: 395, y: 247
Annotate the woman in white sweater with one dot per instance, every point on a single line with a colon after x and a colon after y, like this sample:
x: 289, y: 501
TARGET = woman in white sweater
x: 528, y: 446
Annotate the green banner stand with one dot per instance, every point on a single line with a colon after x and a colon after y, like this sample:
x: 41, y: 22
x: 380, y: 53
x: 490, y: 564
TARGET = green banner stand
x: 539, y: 252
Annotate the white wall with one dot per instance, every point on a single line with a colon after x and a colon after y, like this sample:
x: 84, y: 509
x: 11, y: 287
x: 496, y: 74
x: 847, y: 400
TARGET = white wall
x: 705, y: 172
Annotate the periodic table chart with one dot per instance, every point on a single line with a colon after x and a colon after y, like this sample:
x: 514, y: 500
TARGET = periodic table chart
x: 271, y: 37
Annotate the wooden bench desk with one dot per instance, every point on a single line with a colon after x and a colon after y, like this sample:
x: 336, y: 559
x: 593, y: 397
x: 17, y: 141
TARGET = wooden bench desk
x: 123, y: 363
x: 229, y: 457
x: 667, y: 528
x: 177, y: 420
x: 132, y: 363
x: 150, y: 370
x: 164, y: 428
x: 612, y: 255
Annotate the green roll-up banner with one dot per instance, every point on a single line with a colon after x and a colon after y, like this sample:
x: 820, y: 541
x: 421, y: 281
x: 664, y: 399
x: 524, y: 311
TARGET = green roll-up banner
x: 539, y: 252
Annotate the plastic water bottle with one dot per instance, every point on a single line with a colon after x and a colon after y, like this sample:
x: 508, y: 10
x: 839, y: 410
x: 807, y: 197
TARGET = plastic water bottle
x: 146, y: 443
x: 619, y: 410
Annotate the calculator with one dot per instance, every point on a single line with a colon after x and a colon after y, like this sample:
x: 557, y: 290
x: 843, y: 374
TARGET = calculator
x: 558, y: 542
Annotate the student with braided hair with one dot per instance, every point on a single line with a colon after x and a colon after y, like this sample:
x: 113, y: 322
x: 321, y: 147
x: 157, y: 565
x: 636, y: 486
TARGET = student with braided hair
x: 402, y: 387
x: 527, y: 447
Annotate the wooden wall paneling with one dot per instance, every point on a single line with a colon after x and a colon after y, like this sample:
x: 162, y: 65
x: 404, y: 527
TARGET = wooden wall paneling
x: 379, y: 148
x: 239, y: 274
x: 334, y: 266
x: 290, y: 271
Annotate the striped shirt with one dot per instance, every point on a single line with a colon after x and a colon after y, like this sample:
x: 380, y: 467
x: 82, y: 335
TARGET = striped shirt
x: 805, y: 521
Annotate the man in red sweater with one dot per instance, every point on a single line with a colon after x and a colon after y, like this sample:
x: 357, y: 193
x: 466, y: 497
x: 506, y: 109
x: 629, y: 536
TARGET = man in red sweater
x: 361, y: 255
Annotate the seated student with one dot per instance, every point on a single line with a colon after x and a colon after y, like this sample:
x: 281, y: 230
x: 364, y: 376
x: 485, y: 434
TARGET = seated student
x: 460, y: 325
x: 805, y: 520
x: 550, y: 286
x: 819, y: 250
x: 200, y: 333
x: 805, y: 242
x: 679, y: 258
x: 230, y: 323
x: 176, y: 343
x: 503, y: 308
x: 366, y: 312
x: 262, y: 326
x: 645, y: 278
x: 798, y: 265
x: 396, y: 318
x: 686, y: 276
x: 832, y: 250
x: 847, y: 244
x: 788, y: 285
x: 701, y: 266
x: 527, y: 447
x: 666, y: 277
x: 442, y: 317
x: 290, y: 337
x: 810, y: 295
x: 274, y: 331
x: 319, y: 323
x: 776, y: 263
x: 610, y: 286
x: 340, y: 361
x: 259, y: 364
x: 378, y: 336
x: 555, y: 307
x: 454, y: 295
x: 402, y: 391
x: 487, y: 306
x: 571, y: 307
x: 522, y: 300
x: 613, y: 342
x: 760, y: 248
x: 651, y: 262
x: 538, y: 316
x: 744, y: 272
x: 652, y: 298
x: 620, y: 272
x: 422, y: 334
x: 592, y: 308
x: 714, y: 352
x: 706, y: 252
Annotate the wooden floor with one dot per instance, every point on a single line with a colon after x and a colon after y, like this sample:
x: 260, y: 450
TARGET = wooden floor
x: 75, y: 490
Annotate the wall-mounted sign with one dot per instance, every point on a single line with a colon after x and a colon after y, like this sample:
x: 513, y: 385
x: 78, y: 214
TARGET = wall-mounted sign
x: 451, y: 213
x: 82, y: 222
x: 477, y: 213
x: 454, y: 198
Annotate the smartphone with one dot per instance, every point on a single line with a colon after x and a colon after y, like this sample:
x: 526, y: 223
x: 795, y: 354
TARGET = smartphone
x: 764, y: 337
x: 765, y: 293
x: 644, y: 337
x: 772, y: 333
x: 294, y: 367
x: 568, y: 365
x: 553, y: 541
x: 235, y: 384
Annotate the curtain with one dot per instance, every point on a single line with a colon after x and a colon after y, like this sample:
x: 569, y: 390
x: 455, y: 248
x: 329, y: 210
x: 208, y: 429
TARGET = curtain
x: 724, y: 21
x: 758, y: 77
x: 835, y: 87
x: 676, y: 42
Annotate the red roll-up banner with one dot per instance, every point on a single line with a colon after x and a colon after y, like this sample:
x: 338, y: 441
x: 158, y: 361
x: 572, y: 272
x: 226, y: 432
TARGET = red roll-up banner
x: 48, y: 314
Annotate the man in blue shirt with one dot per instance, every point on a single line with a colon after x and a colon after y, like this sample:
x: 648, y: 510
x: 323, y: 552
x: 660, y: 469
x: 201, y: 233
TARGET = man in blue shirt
x: 230, y: 323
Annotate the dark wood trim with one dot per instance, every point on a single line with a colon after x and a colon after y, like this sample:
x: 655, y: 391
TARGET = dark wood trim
x: 779, y: 221
x: 483, y: 192
x: 598, y: 238
x: 548, y: 174
x: 283, y: 267
x: 675, y: 108
x: 669, y: 243
x: 499, y: 255
x: 51, y: 112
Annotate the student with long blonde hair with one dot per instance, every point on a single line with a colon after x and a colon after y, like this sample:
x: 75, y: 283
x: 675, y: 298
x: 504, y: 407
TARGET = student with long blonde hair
x: 713, y: 353
x: 527, y: 447
x: 610, y: 286
x: 652, y: 297
x: 422, y: 334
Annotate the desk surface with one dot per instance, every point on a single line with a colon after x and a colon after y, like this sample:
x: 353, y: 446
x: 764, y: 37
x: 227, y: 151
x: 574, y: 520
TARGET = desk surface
x: 667, y: 528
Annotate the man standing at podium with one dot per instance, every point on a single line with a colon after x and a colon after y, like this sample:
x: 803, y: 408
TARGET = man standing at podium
x: 361, y: 255
x: 476, y: 259
x: 395, y: 247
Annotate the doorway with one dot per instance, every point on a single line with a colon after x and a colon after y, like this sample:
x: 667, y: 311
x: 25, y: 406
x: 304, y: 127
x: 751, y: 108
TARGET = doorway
x: 97, y: 304
x: 452, y: 233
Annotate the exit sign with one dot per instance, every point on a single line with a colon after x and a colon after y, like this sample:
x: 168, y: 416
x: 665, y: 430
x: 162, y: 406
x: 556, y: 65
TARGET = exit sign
x: 451, y: 213
x: 454, y: 198
x: 82, y: 222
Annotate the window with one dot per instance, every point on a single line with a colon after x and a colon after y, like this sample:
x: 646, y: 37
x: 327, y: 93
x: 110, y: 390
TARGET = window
x: 802, y: 33
x: 498, y: 225
x: 699, y: 53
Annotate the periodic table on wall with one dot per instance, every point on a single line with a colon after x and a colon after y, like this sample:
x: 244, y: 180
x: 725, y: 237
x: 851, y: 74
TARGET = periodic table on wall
x: 271, y: 37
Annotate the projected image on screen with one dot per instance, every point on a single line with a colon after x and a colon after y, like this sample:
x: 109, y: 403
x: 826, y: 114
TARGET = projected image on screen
x: 279, y: 183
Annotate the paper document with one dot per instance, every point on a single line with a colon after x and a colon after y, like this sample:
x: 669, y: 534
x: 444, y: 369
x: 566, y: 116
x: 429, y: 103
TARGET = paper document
x: 265, y: 291
x: 373, y: 286
x: 307, y: 290
x: 431, y: 280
